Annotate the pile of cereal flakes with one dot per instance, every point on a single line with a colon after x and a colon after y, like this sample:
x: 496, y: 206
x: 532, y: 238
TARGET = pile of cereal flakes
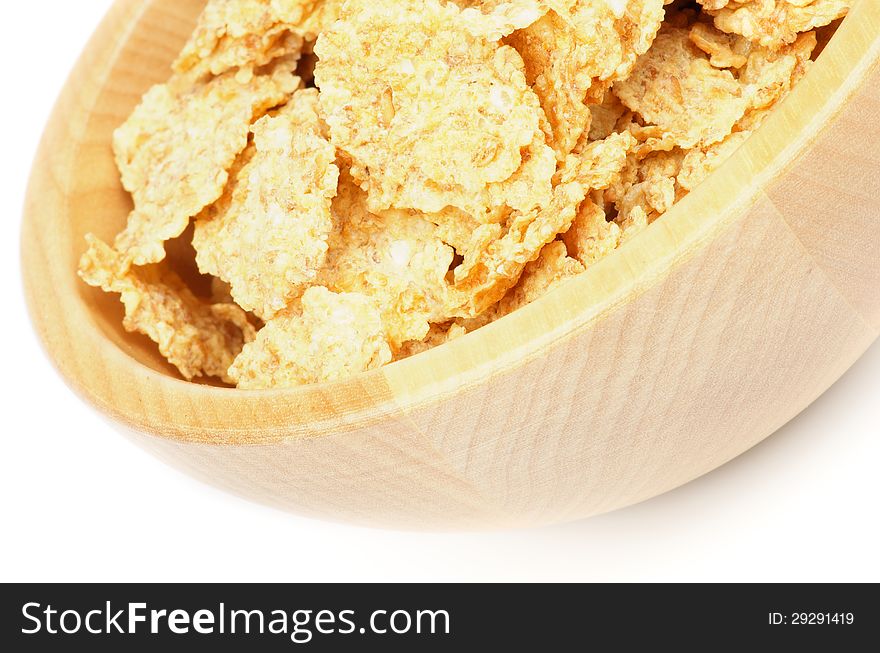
x: 366, y: 179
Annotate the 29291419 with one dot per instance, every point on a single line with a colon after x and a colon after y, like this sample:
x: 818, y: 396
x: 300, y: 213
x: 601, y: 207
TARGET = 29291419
x: 811, y: 618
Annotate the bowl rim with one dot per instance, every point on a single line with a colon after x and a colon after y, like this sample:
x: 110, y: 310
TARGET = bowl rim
x: 229, y: 416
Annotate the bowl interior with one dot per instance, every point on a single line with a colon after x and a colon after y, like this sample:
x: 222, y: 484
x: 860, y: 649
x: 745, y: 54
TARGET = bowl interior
x: 143, y: 59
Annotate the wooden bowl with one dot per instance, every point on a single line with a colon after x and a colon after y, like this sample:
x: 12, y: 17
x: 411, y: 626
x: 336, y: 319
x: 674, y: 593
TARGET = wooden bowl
x: 691, y: 344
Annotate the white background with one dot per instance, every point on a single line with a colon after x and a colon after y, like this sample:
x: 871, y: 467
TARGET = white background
x: 79, y: 502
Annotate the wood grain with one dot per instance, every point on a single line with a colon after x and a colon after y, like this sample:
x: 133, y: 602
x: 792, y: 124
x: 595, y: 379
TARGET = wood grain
x: 695, y: 341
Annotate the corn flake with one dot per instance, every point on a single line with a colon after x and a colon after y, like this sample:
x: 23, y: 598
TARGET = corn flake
x: 438, y: 334
x: 397, y: 259
x: 605, y: 116
x: 770, y: 75
x: 774, y: 23
x: 430, y: 115
x: 495, y: 259
x: 699, y: 163
x: 574, y: 52
x: 251, y: 33
x: 646, y: 188
x: 598, y: 164
x: 269, y: 238
x: 330, y: 336
x: 175, y: 150
x: 766, y: 75
x: 494, y: 19
x: 557, y: 68
x: 619, y: 31
x: 675, y: 87
x: 724, y: 50
x: 547, y: 271
x: 199, y: 338
x: 458, y: 229
x: 550, y: 269
x: 592, y: 236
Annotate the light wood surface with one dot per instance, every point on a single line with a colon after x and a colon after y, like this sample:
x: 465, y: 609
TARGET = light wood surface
x: 691, y: 344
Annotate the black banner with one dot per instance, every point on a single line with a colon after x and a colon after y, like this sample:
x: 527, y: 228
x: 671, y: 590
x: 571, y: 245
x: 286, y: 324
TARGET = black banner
x: 434, y: 617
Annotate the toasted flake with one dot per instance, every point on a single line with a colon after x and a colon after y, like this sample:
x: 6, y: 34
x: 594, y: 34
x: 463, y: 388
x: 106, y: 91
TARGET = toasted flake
x: 496, y: 258
x: 620, y: 31
x: 494, y: 19
x: 605, y: 116
x: 650, y: 138
x: 770, y: 75
x: 710, y: 5
x: 547, y: 271
x: 270, y: 239
x: 325, y: 13
x: 251, y: 33
x: 331, y: 336
x: 199, y: 338
x: 724, y: 50
x: 597, y: 164
x: 574, y: 52
x: 774, y: 23
x: 458, y: 229
x: 430, y: 115
x: 647, y: 187
x: 632, y: 223
x: 439, y: 334
x: 592, y: 236
x: 676, y: 88
x: 699, y: 163
x: 550, y: 269
x: 396, y: 258
x: 175, y: 150
x: 558, y: 69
